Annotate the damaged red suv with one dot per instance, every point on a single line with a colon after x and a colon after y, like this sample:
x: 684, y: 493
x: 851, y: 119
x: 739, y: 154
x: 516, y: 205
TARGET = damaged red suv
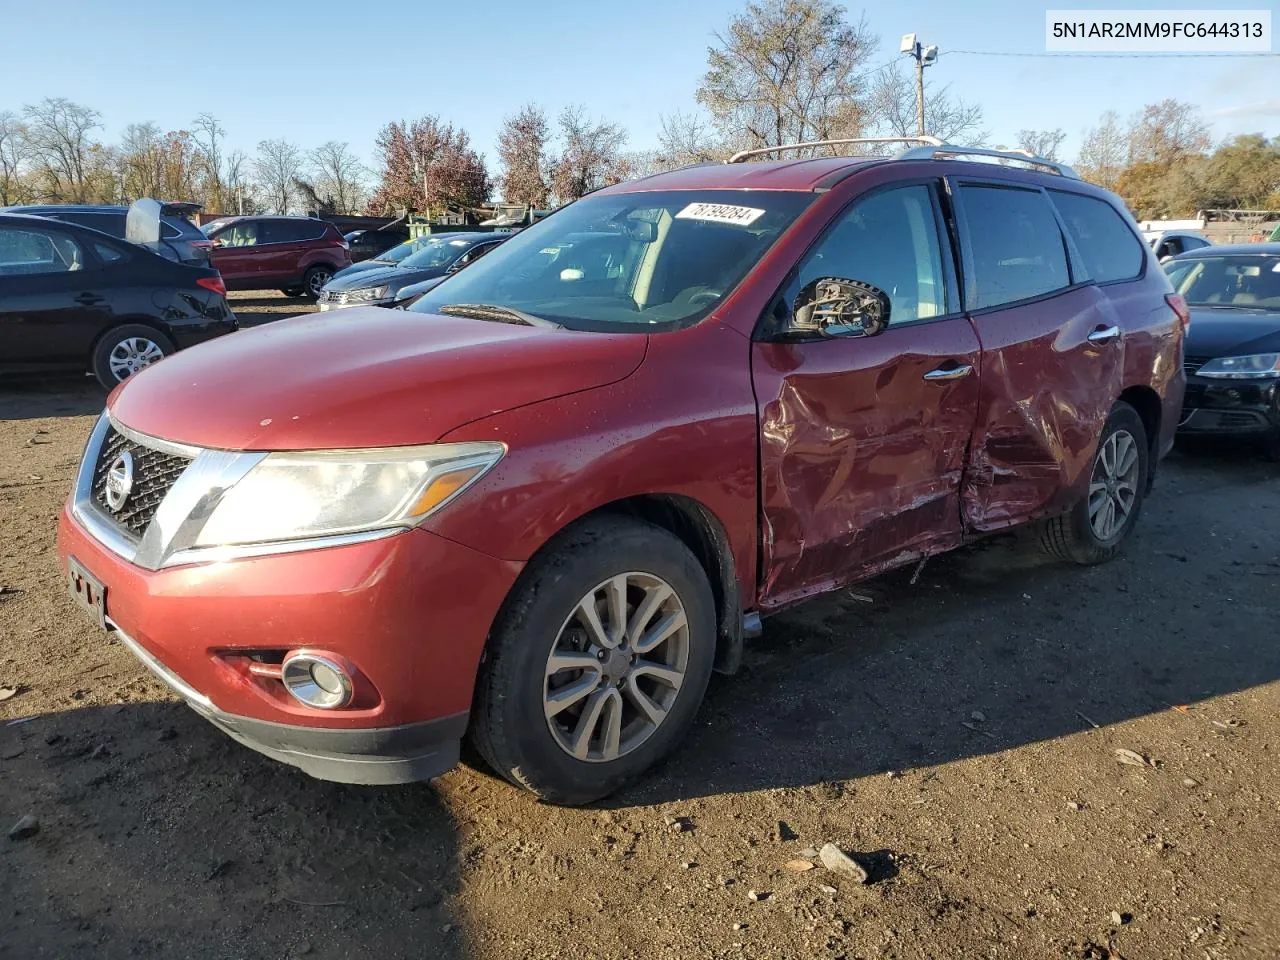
x: 542, y: 506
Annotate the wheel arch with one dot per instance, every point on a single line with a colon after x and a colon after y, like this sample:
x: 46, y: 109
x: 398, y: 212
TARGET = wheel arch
x: 124, y: 321
x: 702, y: 532
x: 1146, y: 402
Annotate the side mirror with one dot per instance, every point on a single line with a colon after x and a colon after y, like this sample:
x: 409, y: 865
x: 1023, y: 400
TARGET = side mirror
x: 642, y: 231
x: 836, y: 307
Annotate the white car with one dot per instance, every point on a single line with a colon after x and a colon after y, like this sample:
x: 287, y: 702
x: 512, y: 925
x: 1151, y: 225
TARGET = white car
x: 1170, y: 243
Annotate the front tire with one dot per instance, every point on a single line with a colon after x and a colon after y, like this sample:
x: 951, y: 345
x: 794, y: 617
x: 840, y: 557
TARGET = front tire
x: 125, y: 350
x: 313, y: 281
x: 598, y: 662
x: 1096, y: 528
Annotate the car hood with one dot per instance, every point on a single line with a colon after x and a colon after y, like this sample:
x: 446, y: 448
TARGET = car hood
x: 1232, y: 331
x: 364, y: 266
x: 395, y: 277
x: 364, y: 377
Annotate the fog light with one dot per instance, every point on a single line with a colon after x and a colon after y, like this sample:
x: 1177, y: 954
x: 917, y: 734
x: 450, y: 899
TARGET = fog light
x: 316, y: 681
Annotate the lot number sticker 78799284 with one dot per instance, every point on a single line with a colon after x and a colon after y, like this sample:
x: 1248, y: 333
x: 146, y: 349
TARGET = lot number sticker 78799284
x: 720, y: 213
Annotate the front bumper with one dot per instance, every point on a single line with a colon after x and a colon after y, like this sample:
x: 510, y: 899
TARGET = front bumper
x: 1231, y: 407
x: 372, y: 756
x: 410, y: 612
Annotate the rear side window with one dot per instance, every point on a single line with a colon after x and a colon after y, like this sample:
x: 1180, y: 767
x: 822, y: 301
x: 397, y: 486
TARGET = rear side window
x: 1015, y: 246
x: 1106, y: 244
x: 111, y: 223
x: 292, y: 231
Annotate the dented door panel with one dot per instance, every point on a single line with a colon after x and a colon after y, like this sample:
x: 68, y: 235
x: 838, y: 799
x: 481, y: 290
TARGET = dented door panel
x: 861, y: 457
x: 1046, y: 392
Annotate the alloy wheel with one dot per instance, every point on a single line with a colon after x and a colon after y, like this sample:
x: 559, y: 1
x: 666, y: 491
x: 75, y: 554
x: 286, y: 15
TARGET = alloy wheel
x: 616, y: 667
x: 317, y: 280
x: 132, y: 354
x: 1113, y: 489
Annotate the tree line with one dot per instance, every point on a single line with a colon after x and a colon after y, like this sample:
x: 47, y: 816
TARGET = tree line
x: 782, y: 71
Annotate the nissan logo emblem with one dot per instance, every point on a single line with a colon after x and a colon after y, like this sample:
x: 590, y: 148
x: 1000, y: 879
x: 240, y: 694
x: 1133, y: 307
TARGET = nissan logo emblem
x: 119, y: 480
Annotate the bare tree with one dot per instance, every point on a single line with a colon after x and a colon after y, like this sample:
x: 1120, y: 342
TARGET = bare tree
x: 208, y: 136
x: 59, y: 136
x: 1166, y: 131
x: 239, y: 192
x: 339, y: 176
x: 522, y: 151
x: 950, y: 118
x: 787, y: 71
x: 1105, y: 152
x: 139, y: 161
x: 685, y: 138
x: 1043, y: 143
x: 276, y: 166
x: 590, y: 155
x: 13, y: 155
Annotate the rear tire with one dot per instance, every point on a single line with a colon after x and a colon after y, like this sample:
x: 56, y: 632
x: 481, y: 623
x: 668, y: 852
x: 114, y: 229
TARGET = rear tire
x: 313, y: 281
x: 1096, y: 528
x: 124, y: 350
x: 574, y: 727
x: 292, y: 291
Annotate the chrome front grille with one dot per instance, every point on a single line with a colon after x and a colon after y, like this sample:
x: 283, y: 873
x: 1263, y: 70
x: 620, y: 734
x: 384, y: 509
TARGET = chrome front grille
x: 154, y: 474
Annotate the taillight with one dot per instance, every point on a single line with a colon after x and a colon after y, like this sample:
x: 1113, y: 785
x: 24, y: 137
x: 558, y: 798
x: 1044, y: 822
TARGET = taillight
x: 213, y: 283
x: 201, y: 244
x: 1180, y: 308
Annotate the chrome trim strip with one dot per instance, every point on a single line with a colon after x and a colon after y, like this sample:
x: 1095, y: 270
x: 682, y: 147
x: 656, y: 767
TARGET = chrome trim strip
x: 155, y: 443
x: 106, y: 533
x: 250, y: 550
x: 167, y: 676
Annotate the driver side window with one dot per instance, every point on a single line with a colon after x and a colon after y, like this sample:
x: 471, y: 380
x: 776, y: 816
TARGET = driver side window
x: 890, y: 240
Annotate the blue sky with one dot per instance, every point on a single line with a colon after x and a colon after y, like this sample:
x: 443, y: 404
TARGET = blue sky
x: 324, y: 70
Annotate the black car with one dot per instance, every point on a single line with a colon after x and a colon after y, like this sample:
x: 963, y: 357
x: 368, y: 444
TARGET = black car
x: 437, y: 256
x: 368, y: 244
x: 180, y: 240
x: 73, y: 298
x: 1232, y: 351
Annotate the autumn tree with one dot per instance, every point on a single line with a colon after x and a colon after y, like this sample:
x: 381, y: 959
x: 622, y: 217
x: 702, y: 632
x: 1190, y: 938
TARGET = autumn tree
x: 787, y: 71
x: 13, y: 155
x: 522, y: 151
x: 429, y: 165
x: 276, y: 166
x: 685, y: 138
x: 338, y: 176
x: 1104, y: 152
x: 59, y: 135
x: 1043, y: 143
x: 1167, y: 131
x: 1243, y: 173
x: 208, y: 136
x: 590, y: 155
x: 892, y: 109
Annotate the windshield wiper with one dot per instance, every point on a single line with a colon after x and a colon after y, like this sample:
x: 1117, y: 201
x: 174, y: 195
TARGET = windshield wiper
x: 499, y: 314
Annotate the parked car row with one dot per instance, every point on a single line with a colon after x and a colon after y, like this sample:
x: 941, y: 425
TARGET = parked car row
x: 393, y: 284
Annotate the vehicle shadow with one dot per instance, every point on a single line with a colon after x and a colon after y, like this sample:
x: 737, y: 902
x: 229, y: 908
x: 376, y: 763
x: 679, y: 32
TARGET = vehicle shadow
x: 997, y: 646
x: 191, y: 839
x: 35, y: 399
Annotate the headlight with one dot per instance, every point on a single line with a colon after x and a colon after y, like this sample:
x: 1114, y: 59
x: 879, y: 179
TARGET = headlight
x: 367, y: 293
x: 290, y: 496
x: 1253, y: 367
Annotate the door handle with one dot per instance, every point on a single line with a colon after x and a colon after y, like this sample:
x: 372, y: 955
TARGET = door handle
x: 1104, y: 335
x: 954, y: 373
x: 88, y: 299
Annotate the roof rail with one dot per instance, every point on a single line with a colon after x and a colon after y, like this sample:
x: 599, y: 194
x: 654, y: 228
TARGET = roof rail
x: 948, y: 151
x: 742, y: 155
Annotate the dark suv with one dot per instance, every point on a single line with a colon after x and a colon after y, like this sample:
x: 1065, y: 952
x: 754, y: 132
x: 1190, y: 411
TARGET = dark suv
x: 180, y: 240
x: 296, y: 255
x: 542, y: 505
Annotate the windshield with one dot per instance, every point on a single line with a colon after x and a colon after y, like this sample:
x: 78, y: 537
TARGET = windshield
x: 436, y: 252
x: 208, y: 228
x: 631, y: 260
x: 1242, y: 281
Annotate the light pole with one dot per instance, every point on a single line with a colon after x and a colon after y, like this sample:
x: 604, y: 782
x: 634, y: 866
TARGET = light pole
x: 924, y: 57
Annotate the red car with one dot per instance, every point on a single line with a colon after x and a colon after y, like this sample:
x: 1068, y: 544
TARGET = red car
x: 296, y: 255
x: 543, y: 505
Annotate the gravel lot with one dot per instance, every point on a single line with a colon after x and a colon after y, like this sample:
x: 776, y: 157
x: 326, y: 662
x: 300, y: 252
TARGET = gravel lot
x: 958, y: 736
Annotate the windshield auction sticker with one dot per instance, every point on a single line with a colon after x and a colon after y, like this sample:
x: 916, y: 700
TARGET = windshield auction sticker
x: 720, y: 213
x: 1158, y: 31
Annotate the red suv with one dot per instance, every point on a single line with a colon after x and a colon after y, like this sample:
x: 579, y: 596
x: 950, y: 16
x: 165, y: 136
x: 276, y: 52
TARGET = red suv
x: 296, y: 255
x: 543, y: 505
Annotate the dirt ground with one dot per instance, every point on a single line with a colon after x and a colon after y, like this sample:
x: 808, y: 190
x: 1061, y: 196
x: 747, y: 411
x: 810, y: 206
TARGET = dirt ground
x: 959, y: 735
